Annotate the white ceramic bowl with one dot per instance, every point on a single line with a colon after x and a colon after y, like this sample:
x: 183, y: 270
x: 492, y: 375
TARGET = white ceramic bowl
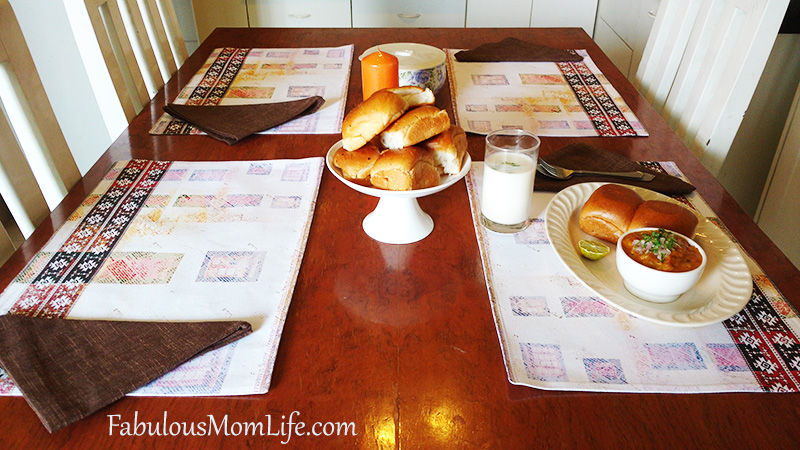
x: 655, y: 285
x: 419, y: 64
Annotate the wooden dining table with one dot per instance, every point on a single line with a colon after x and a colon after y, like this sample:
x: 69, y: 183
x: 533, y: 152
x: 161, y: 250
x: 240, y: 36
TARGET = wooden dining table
x: 399, y: 340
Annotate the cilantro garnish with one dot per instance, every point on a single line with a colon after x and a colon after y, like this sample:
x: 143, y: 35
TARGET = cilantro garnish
x: 660, y: 243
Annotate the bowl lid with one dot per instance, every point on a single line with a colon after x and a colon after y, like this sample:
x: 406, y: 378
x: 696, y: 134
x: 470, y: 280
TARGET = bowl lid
x: 410, y: 56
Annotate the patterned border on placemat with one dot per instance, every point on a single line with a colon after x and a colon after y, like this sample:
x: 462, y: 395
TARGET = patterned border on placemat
x: 769, y: 346
x: 56, y: 288
x: 605, y: 115
x: 219, y: 77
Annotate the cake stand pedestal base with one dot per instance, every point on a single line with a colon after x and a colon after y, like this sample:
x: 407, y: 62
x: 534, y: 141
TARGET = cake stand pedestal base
x: 398, y: 220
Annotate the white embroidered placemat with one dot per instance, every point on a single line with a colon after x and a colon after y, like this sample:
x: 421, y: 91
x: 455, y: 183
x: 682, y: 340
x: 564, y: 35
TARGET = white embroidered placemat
x: 240, y: 76
x: 556, y: 334
x: 182, y: 241
x: 545, y: 98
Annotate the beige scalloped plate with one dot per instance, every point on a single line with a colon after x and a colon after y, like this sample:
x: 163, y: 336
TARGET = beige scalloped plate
x: 723, y: 290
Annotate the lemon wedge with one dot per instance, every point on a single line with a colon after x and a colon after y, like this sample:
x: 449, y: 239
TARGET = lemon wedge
x: 592, y: 249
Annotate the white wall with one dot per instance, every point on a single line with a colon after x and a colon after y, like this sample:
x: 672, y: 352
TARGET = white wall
x: 745, y: 170
x: 779, y: 211
x: 49, y: 36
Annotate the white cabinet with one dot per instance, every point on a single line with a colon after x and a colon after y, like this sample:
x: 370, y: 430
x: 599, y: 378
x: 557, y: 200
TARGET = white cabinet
x: 613, y: 46
x: 564, y: 13
x: 532, y: 13
x: 499, y: 13
x: 620, y: 15
x: 621, y: 31
x: 642, y: 25
x: 409, y: 13
x: 210, y: 14
x: 299, y: 13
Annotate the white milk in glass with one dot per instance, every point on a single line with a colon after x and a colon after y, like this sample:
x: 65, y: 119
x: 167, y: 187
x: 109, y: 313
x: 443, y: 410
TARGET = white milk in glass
x: 507, y: 188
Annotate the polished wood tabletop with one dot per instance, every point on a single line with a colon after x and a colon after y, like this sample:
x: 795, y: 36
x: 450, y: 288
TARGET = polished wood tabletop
x: 400, y: 339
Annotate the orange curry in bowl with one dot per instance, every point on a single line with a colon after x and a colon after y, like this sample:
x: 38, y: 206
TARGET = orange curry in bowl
x: 662, y: 250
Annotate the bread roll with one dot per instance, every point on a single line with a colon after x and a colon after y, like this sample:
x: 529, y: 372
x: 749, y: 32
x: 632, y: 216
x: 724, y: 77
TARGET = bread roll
x: 449, y: 148
x: 371, y: 117
x: 608, y: 212
x: 414, y: 95
x: 405, y: 169
x: 415, y: 126
x: 668, y: 215
x: 357, y: 164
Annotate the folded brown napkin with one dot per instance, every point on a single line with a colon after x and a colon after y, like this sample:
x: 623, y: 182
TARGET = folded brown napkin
x: 69, y: 369
x: 513, y: 49
x: 231, y: 124
x: 587, y: 157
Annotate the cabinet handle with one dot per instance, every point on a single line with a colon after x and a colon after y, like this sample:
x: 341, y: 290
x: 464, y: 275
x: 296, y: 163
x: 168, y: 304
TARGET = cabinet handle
x: 408, y: 16
x: 652, y: 14
x: 299, y: 15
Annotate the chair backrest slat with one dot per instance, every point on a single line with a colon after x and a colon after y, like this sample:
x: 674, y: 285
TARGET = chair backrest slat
x: 112, y: 38
x: 18, y: 185
x: 164, y: 10
x: 36, y: 166
x: 146, y: 48
x: 160, y: 31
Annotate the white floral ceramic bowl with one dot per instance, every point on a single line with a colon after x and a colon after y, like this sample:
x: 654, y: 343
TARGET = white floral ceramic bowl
x: 419, y: 64
x: 656, y: 285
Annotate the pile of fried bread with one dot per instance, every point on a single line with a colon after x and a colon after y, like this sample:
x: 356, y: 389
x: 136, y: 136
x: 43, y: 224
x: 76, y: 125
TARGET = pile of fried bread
x: 397, y: 140
x: 613, y: 209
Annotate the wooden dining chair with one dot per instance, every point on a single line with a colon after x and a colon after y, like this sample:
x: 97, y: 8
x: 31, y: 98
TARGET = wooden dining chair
x: 701, y: 65
x: 36, y: 166
x: 138, y: 67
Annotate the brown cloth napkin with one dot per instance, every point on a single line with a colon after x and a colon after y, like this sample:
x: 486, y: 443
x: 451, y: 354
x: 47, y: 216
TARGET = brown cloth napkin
x: 587, y: 157
x: 513, y: 49
x: 231, y: 124
x: 68, y: 369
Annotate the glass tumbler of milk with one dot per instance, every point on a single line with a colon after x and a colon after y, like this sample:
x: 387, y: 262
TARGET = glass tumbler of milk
x: 508, y: 171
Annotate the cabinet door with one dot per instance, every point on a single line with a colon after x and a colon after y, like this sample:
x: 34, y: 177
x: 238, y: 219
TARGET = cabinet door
x: 564, y: 13
x: 409, y: 13
x: 615, y: 48
x: 499, y: 13
x: 210, y: 14
x: 299, y: 13
x: 644, y: 23
x: 621, y: 16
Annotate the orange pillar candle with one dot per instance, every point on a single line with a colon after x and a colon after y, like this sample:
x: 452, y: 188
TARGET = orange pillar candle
x: 379, y: 70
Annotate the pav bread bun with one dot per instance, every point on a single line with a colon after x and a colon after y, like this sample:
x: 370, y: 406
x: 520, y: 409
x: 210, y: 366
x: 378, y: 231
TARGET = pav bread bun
x: 608, y: 212
x: 356, y: 164
x: 449, y: 148
x: 667, y: 215
x: 414, y: 95
x: 405, y: 169
x: 371, y: 117
x: 415, y: 126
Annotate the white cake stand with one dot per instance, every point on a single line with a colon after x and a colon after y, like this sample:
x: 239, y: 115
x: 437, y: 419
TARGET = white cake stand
x: 397, y: 219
